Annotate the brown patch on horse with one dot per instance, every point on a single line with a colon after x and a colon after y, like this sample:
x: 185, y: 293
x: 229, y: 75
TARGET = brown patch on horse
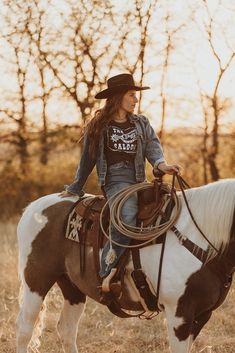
x: 206, y: 290
x: 46, y: 262
x: 202, y: 284
x: 70, y: 291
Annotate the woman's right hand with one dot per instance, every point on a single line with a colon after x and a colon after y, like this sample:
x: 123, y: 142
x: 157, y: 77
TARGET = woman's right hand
x: 169, y: 168
x: 66, y: 194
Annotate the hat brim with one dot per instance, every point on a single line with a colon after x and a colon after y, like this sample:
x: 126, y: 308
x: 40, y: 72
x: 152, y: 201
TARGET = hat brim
x: 111, y: 91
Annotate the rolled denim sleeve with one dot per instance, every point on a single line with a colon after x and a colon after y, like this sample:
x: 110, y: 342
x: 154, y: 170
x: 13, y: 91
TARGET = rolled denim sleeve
x: 87, y: 163
x: 153, y: 152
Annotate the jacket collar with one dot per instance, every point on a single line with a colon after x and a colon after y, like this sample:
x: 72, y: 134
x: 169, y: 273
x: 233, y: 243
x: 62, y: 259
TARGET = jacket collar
x: 133, y: 118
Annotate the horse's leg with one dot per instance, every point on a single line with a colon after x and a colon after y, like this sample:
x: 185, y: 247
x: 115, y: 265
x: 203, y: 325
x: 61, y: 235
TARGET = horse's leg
x: 179, y: 331
x: 74, y: 303
x: 30, y: 308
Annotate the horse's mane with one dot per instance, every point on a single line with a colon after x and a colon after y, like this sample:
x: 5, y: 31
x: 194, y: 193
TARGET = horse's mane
x: 213, y: 208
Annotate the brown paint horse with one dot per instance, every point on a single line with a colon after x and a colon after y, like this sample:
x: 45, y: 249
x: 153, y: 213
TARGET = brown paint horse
x: 189, y: 291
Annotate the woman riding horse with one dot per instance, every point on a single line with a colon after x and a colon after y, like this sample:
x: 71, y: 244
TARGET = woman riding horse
x: 118, y: 142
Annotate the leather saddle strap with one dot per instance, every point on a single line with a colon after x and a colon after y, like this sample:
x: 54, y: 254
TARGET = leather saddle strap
x: 97, y: 245
x: 136, y: 258
x: 141, y: 283
x: 115, y: 309
x: 197, y: 251
x: 83, y: 235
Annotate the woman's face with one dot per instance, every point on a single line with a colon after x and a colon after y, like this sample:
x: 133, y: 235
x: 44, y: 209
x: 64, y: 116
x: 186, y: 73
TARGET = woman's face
x: 129, y: 101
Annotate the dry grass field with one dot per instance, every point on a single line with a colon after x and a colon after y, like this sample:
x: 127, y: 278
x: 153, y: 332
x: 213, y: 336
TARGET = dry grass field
x: 100, y: 331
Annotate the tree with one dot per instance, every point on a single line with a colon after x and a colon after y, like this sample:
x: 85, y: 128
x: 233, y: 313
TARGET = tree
x: 143, y: 14
x: 216, y: 106
x: 15, y: 107
x: 169, y: 33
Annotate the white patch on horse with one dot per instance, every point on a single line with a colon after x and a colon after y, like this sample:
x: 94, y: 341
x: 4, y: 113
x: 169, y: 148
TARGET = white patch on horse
x: 34, y: 221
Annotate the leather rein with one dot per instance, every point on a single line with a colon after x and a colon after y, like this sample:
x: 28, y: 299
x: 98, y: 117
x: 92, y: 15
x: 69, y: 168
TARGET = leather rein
x: 184, y: 185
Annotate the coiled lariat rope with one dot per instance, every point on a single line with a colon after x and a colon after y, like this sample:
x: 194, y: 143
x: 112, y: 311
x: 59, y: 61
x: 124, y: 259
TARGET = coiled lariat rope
x: 145, y: 234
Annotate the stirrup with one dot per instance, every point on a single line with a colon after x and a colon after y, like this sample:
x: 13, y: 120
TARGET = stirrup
x: 105, y: 287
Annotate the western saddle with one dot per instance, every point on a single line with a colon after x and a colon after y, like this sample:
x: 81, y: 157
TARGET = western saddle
x: 84, y: 220
x: 85, y: 217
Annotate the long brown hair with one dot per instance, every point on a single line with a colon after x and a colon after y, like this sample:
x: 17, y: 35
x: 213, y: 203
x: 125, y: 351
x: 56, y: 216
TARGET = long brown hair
x: 101, y: 118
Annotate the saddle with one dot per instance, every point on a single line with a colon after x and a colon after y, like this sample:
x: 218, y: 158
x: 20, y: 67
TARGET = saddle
x: 84, y: 227
x: 84, y: 220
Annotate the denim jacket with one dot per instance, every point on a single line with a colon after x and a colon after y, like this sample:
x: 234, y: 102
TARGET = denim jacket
x: 148, y: 146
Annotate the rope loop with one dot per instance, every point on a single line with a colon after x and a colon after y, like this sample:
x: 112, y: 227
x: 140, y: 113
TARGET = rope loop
x: 145, y: 234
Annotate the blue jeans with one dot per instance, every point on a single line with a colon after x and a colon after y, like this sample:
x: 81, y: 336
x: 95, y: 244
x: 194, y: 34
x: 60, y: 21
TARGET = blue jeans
x: 120, y: 176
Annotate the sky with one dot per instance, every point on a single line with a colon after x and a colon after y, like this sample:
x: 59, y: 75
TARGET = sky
x: 191, y: 63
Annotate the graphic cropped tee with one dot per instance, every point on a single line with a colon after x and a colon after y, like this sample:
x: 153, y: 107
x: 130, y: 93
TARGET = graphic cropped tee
x: 120, y: 142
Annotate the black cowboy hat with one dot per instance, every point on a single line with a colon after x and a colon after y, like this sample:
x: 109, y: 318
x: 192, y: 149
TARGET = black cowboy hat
x: 117, y: 84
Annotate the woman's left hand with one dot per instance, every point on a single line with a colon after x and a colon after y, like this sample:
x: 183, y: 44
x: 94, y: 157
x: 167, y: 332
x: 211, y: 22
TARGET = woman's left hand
x: 169, y: 168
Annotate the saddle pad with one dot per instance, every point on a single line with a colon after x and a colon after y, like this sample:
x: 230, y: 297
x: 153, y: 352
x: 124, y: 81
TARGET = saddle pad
x: 83, y: 221
x: 73, y: 226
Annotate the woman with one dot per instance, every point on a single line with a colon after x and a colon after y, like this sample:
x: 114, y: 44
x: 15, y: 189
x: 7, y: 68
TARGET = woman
x: 118, y: 142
